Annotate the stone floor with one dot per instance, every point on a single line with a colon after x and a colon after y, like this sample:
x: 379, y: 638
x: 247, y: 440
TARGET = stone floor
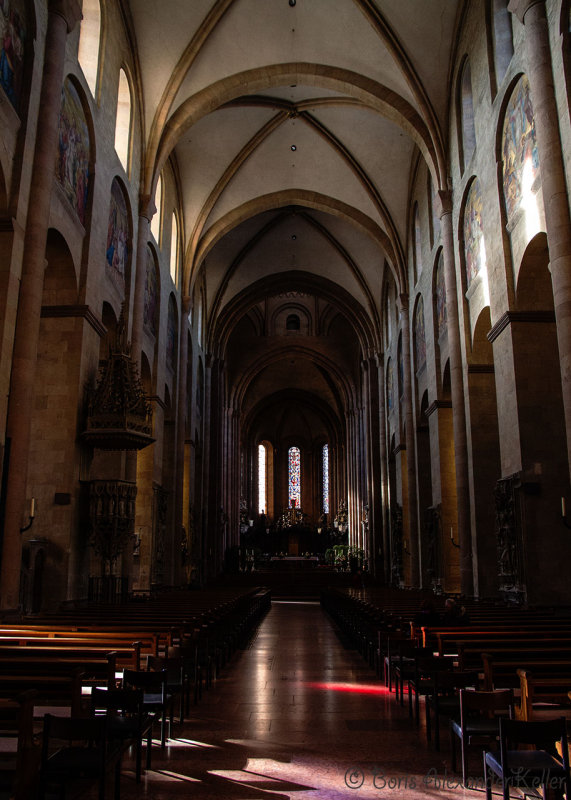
x: 297, y: 715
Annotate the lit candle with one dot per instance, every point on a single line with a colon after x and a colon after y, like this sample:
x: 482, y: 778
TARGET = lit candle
x: 33, y: 508
x: 563, y: 509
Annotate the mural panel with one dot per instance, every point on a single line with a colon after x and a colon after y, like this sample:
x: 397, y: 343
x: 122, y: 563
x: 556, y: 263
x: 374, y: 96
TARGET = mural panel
x: 474, y: 249
x: 390, y: 385
x: 151, y: 309
x: 12, y: 47
x: 117, y: 238
x: 72, y: 166
x: 171, y: 336
x: 521, y: 159
x: 419, y: 334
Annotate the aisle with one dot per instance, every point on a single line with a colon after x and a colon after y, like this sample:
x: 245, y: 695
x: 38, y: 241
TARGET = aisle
x: 296, y: 715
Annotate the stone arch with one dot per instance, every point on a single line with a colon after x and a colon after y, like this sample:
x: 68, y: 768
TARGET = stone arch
x: 534, y: 291
x: 54, y: 453
x: 486, y: 452
x: 254, y: 81
x: 291, y: 309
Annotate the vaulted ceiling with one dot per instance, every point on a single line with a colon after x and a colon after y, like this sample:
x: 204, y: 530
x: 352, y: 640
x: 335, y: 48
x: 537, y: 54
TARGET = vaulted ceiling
x: 295, y: 127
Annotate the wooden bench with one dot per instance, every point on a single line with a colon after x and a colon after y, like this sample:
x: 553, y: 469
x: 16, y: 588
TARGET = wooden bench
x: 543, y: 694
x: 19, y: 753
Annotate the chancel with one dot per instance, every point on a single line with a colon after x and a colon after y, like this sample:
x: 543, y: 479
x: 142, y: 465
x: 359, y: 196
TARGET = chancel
x: 284, y: 317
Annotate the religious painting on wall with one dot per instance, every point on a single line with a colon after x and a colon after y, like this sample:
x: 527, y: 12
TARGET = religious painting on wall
x: 441, y: 312
x: 400, y: 367
x: 12, y: 47
x: 72, y: 167
x: 474, y: 249
x: 417, y: 242
x: 171, y: 336
x: 390, y: 385
x: 117, y: 238
x: 151, y: 307
x: 419, y: 334
x: 519, y: 147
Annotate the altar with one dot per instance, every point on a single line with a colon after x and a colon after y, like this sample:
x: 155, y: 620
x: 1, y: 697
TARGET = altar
x: 293, y: 562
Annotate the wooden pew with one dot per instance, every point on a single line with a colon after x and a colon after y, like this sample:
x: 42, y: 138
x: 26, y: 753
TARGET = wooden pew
x: 19, y: 753
x: 543, y: 695
x: 129, y: 655
x: 51, y: 690
x: 98, y: 668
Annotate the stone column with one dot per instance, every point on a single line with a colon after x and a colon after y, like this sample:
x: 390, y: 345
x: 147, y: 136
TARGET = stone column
x: 410, y: 444
x: 181, y: 432
x: 63, y: 15
x: 457, y: 392
x: 384, y: 457
x: 375, y: 457
x: 555, y: 199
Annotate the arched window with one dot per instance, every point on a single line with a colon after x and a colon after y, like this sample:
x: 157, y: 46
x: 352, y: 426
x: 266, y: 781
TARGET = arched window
x: 262, y: 479
x: 123, y: 121
x: 156, y: 220
x: 468, y: 130
x: 174, y: 248
x: 503, y: 41
x: 89, y: 39
x: 325, y: 477
x: 294, y: 477
x: 293, y: 323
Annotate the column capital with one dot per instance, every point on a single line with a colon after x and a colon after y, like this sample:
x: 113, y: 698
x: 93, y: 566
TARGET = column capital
x: 519, y: 8
x: 69, y: 10
x: 147, y: 207
x: 444, y: 202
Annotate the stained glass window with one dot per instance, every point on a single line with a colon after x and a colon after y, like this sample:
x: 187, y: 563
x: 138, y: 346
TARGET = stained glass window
x: 325, y: 462
x: 294, y: 493
x: 262, y: 471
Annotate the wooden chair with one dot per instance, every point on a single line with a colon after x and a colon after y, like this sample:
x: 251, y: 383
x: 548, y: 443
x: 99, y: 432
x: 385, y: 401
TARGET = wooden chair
x: 77, y: 749
x: 157, y: 700
x: 528, y: 769
x: 445, y: 698
x: 176, y: 677
x: 128, y: 722
x: 479, y: 720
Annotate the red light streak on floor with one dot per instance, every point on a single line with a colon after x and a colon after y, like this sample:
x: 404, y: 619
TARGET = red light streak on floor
x: 355, y: 688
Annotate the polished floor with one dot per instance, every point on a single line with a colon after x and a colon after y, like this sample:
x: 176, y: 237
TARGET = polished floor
x: 297, y: 715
